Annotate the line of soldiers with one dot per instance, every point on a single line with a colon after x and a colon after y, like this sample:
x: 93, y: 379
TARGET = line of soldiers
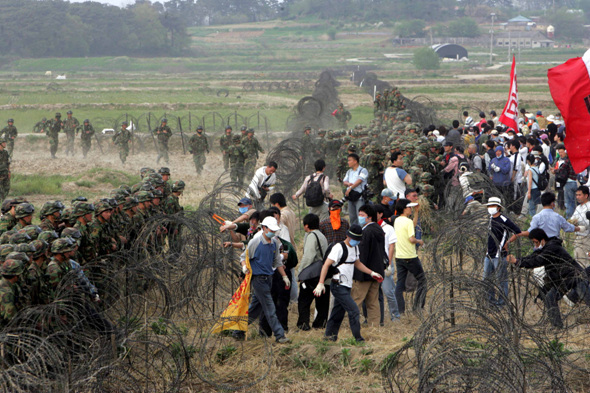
x: 387, y: 133
x: 72, y: 128
x: 240, y: 153
x: 36, y: 258
x: 388, y: 101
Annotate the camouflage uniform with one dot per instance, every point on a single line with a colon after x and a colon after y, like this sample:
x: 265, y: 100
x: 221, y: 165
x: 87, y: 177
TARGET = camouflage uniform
x: 71, y: 125
x: 9, y: 133
x: 163, y: 134
x: 53, y: 129
x: 4, y: 174
x: 307, y: 149
x: 251, y: 148
x: 236, y: 160
x: 225, y: 143
x: 10, y: 300
x: 40, y: 126
x: 87, y: 132
x: 7, y: 222
x: 122, y: 139
x: 342, y: 116
x: 197, y: 146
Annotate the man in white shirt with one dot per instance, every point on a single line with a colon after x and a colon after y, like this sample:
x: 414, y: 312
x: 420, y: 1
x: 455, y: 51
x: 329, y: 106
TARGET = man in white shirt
x: 262, y: 182
x: 355, y: 181
x: 581, y: 244
x: 388, y: 285
x: 517, y: 166
x: 395, y: 177
x: 318, y: 207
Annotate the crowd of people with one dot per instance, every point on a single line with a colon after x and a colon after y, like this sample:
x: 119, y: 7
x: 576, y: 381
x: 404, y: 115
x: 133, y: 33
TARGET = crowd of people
x: 37, y: 258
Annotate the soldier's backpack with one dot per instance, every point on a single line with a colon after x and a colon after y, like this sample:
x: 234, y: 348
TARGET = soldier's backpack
x: 314, y: 194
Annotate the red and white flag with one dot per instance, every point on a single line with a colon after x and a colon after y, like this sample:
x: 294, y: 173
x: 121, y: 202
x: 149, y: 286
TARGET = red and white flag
x: 509, y: 115
x: 569, y: 84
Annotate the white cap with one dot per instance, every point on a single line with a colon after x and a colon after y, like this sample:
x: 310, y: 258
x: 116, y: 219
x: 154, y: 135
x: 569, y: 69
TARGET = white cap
x: 412, y: 204
x: 271, y: 223
x: 435, y: 132
x: 494, y: 201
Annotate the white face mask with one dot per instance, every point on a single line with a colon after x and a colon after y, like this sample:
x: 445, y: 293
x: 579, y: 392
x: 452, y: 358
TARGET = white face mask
x: 492, y: 210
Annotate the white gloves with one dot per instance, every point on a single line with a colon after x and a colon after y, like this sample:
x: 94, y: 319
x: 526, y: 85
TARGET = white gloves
x: 319, y: 290
x: 227, y: 222
x: 245, y: 269
x: 287, y: 282
x: 377, y: 276
x: 582, y: 228
x: 495, y: 167
x: 388, y: 271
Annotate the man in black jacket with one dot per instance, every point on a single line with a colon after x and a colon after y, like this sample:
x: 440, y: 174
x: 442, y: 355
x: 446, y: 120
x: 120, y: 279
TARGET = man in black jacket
x: 562, y: 273
x: 372, y: 255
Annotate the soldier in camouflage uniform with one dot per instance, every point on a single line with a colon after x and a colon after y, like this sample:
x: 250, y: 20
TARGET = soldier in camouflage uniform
x: 59, y: 265
x: 53, y: 129
x: 163, y: 134
x: 10, y: 291
x: 35, y: 276
x: 236, y: 160
x: 50, y: 215
x: 342, y: 161
x: 83, y: 212
x: 377, y: 104
x: 225, y: 143
x: 251, y: 148
x: 171, y: 207
x: 24, y: 215
x: 99, y: 229
x: 7, y: 221
x: 135, y: 222
x: 342, y: 116
x: 87, y: 132
x: 4, y: 170
x: 122, y: 139
x: 321, y: 146
x: 167, y: 189
x: 71, y: 126
x: 9, y: 133
x: 197, y: 146
x: 40, y: 126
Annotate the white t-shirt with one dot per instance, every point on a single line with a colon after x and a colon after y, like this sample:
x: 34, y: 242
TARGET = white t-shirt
x: 394, y: 178
x: 347, y: 268
x: 390, y: 237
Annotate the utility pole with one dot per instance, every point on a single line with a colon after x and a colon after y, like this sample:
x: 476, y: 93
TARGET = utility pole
x: 493, y: 15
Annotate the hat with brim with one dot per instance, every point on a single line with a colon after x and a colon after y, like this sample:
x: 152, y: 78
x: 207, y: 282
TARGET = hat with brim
x: 469, y: 199
x: 271, y: 223
x: 334, y: 203
x: 551, y: 118
x: 355, y: 232
x: 245, y: 201
x: 412, y: 204
x: 494, y: 201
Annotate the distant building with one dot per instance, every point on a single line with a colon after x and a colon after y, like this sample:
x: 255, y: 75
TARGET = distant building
x: 524, y: 39
x: 520, y: 23
x: 450, y: 51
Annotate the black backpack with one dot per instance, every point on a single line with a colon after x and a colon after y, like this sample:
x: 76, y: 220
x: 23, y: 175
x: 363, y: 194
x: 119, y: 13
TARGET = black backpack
x: 314, y: 194
x: 334, y: 269
x: 543, y: 181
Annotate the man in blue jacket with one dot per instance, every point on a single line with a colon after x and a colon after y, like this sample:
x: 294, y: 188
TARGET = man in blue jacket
x: 500, y: 172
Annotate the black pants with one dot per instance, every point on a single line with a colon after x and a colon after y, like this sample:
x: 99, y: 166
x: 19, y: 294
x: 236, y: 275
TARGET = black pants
x: 281, y: 298
x: 306, y: 297
x: 415, y: 267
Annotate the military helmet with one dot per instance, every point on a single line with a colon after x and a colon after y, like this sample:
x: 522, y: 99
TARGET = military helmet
x: 321, y: 132
x: 427, y: 190
x: 200, y: 128
x: 20, y: 252
x: 155, y: 179
x: 164, y: 171
x: 44, y: 119
x: 19, y: 238
x: 236, y: 138
x: 157, y: 194
x: 111, y: 201
x: 405, y: 146
x: 82, y: 208
x: 243, y: 128
x: 10, y: 121
x: 24, y: 210
x: 228, y: 128
x: 41, y: 246
x: 164, y: 120
x: 51, y: 207
x: 74, y: 233
x: 250, y: 130
x: 425, y: 177
x: 12, y: 267
x: 125, y: 188
x: 86, y: 121
x: 101, y: 206
x: 346, y: 140
x: 32, y: 230
x: 66, y: 216
x: 423, y: 148
x: 69, y: 112
x: 437, y: 145
x: 48, y: 236
x: 79, y: 199
x: 144, y: 196
x: 130, y: 203
x: 178, y: 186
x: 62, y: 245
x: 58, y: 115
x: 307, y: 128
x: 124, y: 124
x: 6, y: 249
x: 352, y: 147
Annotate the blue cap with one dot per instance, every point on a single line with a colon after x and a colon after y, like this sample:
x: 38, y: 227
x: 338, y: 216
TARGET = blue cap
x: 499, y: 148
x: 539, y: 113
x: 468, y: 199
x: 245, y: 201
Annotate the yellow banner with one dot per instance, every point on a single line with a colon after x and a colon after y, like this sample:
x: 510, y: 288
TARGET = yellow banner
x: 235, y: 315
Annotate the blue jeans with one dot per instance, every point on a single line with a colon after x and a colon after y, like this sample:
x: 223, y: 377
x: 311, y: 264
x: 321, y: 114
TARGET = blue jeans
x: 534, y: 201
x: 413, y: 266
x: 261, y: 302
x: 353, y: 211
x: 499, y: 268
x: 343, y: 303
x: 569, y: 194
x: 388, y: 287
